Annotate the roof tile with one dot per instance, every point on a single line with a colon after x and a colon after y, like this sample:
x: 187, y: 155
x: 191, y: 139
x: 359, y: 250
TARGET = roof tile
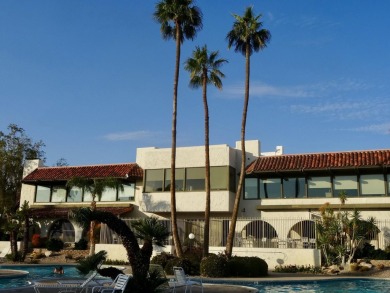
x: 127, y: 170
x: 355, y: 159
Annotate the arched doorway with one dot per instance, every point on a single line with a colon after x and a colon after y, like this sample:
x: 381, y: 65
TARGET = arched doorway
x: 62, y: 229
x: 259, y: 234
x: 303, y: 234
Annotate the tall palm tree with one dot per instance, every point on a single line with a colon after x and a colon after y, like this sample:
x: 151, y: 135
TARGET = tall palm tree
x: 247, y: 36
x: 179, y: 20
x: 204, y: 70
x: 95, y: 187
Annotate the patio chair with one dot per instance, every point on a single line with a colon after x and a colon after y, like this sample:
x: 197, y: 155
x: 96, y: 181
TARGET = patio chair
x: 181, y: 279
x: 117, y: 286
x: 62, y: 286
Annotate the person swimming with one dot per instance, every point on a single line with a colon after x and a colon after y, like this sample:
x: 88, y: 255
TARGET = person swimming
x: 59, y: 270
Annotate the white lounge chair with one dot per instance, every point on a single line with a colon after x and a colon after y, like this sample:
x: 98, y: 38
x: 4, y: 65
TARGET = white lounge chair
x: 181, y: 279
x: 117, y: 286
x: 66, y: 287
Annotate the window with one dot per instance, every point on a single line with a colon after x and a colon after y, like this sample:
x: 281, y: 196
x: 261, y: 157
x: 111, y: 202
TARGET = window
x: 87, y: 196
x: 109, y: 194
x: 128, y: 192
x: 154, y: 180
x: 58, y: 194
x: 232, y: 179
x: 388, y: 184
x: 195, y: 179
x: 179, y: 180
x: 372, y: 185
x: 251, y: 188
x: 293, y: 187
x: 75, y: 195
x: 319, y: 187
x: 219, y: 178
x: 270, y: 188
x: 43, y: 194
x: 348, y: 184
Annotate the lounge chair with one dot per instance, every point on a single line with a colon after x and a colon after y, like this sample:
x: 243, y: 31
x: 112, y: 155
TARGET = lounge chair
x: 117, y: 286
x: 66, y: 287
x: 181, y: 279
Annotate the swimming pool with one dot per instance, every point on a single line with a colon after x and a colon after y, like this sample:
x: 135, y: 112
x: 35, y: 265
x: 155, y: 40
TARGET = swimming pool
x: 341, y: 285
x: 36, y: 272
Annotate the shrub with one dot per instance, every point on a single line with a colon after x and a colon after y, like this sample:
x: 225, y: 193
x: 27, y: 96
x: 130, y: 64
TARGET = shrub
x: 247, y: 267
x: 162, y: 259
x: 214, y: 266
x: 54, y: 244
x: 91, y: 262
x: 110, y: 272
x: 82, y: 244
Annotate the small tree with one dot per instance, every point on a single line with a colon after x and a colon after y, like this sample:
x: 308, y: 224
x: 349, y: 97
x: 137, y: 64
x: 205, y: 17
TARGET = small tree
x: 148, y: 229
x: 340, y: 234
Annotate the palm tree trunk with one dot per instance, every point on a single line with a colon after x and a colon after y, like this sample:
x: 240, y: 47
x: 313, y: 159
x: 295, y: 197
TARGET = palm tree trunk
x: 92, y: 230
x: 175, y: 233
x: 232, y: 228
x: 206, y: 237
x: 26, y: 237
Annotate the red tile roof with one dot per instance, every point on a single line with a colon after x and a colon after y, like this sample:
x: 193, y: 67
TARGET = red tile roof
x: 320, y: 161
x: 128, y: 170
x: 54, y: 212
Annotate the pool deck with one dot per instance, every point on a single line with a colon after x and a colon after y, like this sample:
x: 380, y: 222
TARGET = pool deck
x: 219, y: 288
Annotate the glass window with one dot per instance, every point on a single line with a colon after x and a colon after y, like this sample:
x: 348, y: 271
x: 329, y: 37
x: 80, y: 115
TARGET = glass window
x: 251, y: 188
x: 58, y: 194
x: 345, y: 183
x: 75, y: 194
x: 88, y: 196
x: 319, y: 187
x: 219, y: 178
x: 270, y: 188
x: 109, y: 194
x: 372, y: 185
x: 195, y: 179
x: 388, y: 184
x: 43, y: 194
x: 232, y: 179
x: 128, y: 192
x: 179, y: 174
x: 293, y: 187
x: 154, y: 180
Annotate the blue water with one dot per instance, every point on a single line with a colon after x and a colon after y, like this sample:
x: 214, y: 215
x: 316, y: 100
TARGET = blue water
x: 36, y: 272
x: 341, y: 285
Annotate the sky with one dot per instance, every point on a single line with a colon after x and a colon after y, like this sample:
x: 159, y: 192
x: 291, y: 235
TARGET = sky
x: 94, y: 79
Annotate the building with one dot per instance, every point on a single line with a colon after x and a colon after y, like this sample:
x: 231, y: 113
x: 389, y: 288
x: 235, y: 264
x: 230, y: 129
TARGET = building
x: 279, y: 205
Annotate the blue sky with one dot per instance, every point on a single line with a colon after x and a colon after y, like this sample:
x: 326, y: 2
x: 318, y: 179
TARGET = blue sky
x: 94, y: 79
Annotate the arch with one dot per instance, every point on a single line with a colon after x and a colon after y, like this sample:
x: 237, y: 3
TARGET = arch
x: 62, y: 229
x: 303, y: 234
x: 259, y: 234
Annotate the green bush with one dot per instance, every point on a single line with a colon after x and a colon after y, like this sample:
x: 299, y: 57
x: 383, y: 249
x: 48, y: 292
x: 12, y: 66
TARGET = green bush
x: 91, y: 262
x: 54, y: 244
x: 82, y: 244
x: 214, y: 266
x: 162, y: 259
x: 247, y: 267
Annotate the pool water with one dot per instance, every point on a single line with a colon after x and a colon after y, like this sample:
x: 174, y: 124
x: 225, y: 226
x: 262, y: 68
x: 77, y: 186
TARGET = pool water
x: 342, y: 285
x: 36, y: 272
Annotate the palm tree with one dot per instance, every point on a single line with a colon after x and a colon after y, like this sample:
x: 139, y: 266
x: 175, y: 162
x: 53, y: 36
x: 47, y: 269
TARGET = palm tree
x: 95, y: 187
x: 149, y: 230
x: 204, y: 70
x: 179, y: 20
x: 247, y: 36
